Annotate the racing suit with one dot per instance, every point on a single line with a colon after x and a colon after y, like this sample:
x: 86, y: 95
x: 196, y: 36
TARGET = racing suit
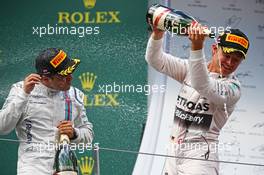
x: 204, y: 103
x: 35, y: 117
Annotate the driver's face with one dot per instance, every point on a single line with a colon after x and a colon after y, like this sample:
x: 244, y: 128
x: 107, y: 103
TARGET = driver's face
x: 59, y: 82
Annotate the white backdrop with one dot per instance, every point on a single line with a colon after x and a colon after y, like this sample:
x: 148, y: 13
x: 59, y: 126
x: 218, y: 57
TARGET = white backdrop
x: 244, y: 131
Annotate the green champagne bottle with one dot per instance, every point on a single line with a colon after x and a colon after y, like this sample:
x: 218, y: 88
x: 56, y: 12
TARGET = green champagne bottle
x: 65, y: 159
x: 168, y: 19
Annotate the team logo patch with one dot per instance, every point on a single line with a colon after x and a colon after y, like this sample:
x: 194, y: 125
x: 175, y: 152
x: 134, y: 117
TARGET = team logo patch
x: 56, y: 61
x: 237, y: 39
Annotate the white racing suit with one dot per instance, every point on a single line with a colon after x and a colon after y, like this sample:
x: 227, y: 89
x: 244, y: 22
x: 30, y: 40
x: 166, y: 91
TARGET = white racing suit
x: 204, y: 103
x: 36, y: 117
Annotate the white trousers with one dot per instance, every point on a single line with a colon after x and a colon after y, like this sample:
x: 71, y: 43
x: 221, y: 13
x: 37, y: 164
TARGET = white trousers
x: 181, y: 166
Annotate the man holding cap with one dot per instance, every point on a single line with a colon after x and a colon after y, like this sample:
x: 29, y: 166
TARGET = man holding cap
x: 42, y: 107
x: 206, y: 99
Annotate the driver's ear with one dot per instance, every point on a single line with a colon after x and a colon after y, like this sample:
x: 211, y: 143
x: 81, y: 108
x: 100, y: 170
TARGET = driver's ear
x: 214, y: 48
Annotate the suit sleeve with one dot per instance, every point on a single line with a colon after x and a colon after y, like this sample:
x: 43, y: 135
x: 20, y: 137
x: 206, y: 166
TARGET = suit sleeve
x: 218, y: 91
x: 83, y: 128
x: 13, y: 108
x: 165, y: 63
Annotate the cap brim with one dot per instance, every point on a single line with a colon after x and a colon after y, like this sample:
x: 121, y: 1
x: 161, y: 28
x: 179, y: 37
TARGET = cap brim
x: 70, y: 67
x: 230, y: 50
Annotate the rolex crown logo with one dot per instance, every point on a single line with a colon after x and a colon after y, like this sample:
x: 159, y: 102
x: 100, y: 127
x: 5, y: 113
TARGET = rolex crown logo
x: 89, y: 3
x: 87, y: 80
x: 86, y: 165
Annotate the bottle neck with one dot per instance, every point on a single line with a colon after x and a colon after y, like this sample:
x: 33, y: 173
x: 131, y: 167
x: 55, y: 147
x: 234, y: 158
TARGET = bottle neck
x: 64, y: 139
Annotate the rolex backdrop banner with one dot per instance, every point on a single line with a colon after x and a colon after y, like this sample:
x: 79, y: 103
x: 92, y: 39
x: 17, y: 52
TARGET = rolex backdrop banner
x: 109, y: 37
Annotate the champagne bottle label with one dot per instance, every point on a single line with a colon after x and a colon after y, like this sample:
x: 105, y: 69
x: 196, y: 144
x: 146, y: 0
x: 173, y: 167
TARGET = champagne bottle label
x: 159, y: 17
x: 175, y: 21
x: 165, y: 18
x: 65, y: 159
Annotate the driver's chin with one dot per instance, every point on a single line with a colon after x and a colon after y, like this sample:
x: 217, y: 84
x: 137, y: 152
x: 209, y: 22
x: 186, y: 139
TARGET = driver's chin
x: 227, y: 72
x: 65, y: 87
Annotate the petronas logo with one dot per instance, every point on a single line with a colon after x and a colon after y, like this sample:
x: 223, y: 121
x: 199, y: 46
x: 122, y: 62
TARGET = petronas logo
x: 86, y: 165
x: 89, y: 4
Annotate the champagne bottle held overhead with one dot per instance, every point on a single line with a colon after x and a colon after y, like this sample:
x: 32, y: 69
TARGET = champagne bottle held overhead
x: 65, y: 159
x: 175, y: 21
